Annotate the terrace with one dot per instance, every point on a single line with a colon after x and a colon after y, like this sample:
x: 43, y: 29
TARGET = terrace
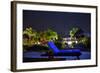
x: 35, y: 45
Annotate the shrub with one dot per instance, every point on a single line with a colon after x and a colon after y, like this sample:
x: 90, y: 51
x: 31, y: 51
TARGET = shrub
x: 58, y: 44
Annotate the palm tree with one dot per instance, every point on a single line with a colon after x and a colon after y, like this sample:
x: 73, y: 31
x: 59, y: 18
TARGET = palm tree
x: 73, y: 32
x: 51, y: 35
x: 31, y: 36
x: 76, y: 34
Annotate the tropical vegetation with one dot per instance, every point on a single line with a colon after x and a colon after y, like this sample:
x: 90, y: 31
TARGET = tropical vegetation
x: 38, y: 39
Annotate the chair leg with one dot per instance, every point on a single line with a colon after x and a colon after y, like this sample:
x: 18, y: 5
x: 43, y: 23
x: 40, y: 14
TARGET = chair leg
x: 78, y: 57
x: 50, y: 56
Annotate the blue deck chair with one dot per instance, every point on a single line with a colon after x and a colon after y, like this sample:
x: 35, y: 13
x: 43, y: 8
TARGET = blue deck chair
x: 68, y: 52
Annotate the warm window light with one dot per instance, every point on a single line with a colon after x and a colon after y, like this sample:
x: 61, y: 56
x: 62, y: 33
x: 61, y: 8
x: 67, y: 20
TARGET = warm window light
x: 69, y: 42
x: 38, y: 42
x: 76, y: 41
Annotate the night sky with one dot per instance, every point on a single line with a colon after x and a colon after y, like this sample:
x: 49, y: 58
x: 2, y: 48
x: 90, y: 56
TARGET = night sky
x: 61, y: 22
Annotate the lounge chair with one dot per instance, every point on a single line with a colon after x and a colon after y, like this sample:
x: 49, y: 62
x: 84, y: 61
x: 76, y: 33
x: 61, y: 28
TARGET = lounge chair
x: 67, y: 52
